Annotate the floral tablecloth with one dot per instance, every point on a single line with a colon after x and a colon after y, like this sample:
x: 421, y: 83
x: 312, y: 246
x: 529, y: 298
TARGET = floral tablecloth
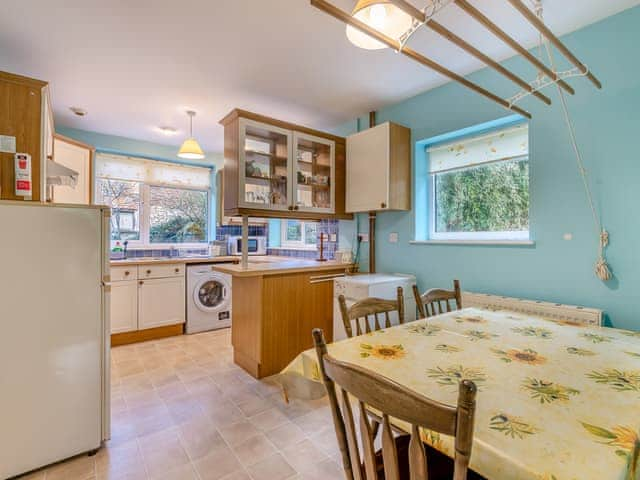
x: 556, y: 400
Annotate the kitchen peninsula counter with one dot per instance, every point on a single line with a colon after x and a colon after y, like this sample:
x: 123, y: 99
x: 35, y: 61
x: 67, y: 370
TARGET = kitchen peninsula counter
x: 276, y: 304
x: 172, y: 260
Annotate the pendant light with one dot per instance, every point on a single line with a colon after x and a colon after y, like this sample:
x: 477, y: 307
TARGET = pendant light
x: 190, y: 149
x: 381, y: 15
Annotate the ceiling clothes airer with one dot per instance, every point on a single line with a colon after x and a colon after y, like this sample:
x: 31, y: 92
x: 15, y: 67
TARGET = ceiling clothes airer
x: 602, y: 270
x: 375, y: 24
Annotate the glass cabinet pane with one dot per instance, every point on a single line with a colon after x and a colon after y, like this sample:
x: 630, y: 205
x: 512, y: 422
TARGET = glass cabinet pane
x: 265, y: 167
x: 314, y: 170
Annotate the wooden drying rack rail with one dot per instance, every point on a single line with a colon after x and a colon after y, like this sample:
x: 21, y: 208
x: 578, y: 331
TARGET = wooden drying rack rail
x: 420, y: 18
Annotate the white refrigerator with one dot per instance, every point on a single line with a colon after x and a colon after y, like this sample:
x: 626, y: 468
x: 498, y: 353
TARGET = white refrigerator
x: 54, y: 337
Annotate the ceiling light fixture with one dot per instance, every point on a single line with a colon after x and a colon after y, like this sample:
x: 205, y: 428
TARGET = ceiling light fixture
x: 190, y: 149
x: 81, y: 112
x: 381, y: 15
x: 168, y: 131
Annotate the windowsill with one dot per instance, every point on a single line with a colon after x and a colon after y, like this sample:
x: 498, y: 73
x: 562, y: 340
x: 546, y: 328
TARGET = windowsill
x: 299, y: 249
x: 514, y: 243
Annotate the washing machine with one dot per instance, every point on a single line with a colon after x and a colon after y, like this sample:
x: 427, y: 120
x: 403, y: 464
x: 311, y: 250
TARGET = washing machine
x: 208, y: 299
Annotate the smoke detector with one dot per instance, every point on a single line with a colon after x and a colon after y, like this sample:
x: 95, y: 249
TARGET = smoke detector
x: 81, y: 112
x: 168, y: 131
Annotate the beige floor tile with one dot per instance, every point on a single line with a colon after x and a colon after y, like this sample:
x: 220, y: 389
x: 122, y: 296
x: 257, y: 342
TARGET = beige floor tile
x: 301, y: 455
x: 236, y: 433
x: 82, y: 467
x: 182, y: 472
x: 325, y: 470
x: 254, y: 406
x: 217, y: 464
x: 160, y: 459
x: 269, y: 419
x: 239, y: 475
x: 286, y: 435
x: 254, y: 449
x: 272, y: 468
x: 200, y: 438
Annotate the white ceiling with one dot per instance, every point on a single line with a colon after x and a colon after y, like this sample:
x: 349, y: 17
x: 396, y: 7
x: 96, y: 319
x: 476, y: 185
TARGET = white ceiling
x: 138, y: 64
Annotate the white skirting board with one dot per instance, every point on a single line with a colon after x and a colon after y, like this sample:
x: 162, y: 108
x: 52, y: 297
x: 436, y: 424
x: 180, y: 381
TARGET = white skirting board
x: 556, y: 311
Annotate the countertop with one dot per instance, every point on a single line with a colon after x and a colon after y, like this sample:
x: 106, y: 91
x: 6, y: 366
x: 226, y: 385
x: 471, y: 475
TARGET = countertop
x: 271, y: 265
x: 181, y: 260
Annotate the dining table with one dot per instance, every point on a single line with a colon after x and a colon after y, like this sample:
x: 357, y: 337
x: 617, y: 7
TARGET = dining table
x: 557, y: 399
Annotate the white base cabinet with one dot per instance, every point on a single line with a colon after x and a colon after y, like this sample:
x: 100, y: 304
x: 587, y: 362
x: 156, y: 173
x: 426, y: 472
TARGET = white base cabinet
x: 144, y: 297
x: 161, y: 301
x: 124, y: 306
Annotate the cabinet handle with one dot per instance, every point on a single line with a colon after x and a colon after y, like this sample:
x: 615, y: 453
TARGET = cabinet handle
x: 148, y: 272
x: 141, y: 282
x: 383, y: 205
x: 177, y: 270
x: 290, y: 207
x: 126, y: 274
x: 296, y: 207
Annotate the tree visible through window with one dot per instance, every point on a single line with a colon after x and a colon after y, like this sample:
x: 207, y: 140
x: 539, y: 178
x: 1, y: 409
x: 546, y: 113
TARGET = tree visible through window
x: 124, y: 198
x: 480, y: 187
x: 177, y: 215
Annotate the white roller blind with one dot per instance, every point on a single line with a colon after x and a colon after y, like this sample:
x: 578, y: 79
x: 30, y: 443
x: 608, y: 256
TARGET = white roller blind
x: 152, y: 171
x: 505, y: 144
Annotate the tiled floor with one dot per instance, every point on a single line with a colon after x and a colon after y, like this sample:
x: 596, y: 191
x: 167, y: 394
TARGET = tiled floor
x: 181, y: 410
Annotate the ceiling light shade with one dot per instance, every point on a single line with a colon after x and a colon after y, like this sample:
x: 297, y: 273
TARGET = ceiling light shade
x: 381, y: 15
x: 190, y: 148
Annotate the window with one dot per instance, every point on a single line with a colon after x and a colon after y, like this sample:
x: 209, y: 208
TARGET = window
x: 480, y: 187
x: 299, y: 235
x: 154, y: 203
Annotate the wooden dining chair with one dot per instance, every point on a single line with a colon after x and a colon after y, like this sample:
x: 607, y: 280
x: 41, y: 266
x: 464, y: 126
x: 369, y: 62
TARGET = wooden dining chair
x: 436, y: 301
x: 393, y: 400
x: 370, y: 307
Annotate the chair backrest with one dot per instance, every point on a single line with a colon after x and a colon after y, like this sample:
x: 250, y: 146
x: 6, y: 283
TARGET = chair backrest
x: 437, y: 301
x: 392, y: 400
x: 370, y: 307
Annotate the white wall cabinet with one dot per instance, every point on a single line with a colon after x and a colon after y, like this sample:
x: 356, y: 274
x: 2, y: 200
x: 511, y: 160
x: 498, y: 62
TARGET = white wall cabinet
x: 379, y: 169
x: 161, y: 301
x: 144, y: 297
x: 76, y: 156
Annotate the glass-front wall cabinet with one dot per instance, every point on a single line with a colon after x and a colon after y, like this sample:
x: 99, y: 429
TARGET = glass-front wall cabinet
x: 265, y: 153
x: 314, y: 173
x: 285, y: 170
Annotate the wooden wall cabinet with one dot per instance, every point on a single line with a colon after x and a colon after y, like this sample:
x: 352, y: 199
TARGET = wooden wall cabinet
x: 79, y: 157
x: 379, y: 169
x: 276, y: 169
x: 26, y: 115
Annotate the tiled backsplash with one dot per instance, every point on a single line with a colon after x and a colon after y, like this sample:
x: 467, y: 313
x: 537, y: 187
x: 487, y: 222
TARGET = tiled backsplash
x: 327, y: 227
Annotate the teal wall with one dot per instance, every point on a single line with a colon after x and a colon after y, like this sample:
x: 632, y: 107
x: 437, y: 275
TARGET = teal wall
x: 155, y: 151
x: 138, y: 148
x: 607, y: 122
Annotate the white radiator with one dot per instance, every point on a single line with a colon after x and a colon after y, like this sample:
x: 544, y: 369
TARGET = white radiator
x: 555, y: 311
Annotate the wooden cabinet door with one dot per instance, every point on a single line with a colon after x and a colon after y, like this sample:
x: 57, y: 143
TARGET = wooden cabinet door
x: 124, y: 306
x: 320, y: 301
x: 161, y: 301
x: 78, y: 158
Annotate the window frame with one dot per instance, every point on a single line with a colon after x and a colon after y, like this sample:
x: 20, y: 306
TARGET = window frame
x: 296, y: 245
x: 498, y: 236
x: 145, y: 219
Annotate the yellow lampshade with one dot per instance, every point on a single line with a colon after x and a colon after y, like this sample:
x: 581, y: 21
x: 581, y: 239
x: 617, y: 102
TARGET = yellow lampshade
x: 191, y: 150
x: 381, y: 15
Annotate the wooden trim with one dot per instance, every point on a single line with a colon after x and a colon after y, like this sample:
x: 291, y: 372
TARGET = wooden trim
x: 502, y: 35
x: 22, y: 80
x: 138, y: 336
x: 357, y: 24
x: 467, y: 47
x: 295, y: 215
x: 238, y: 113
x: 73, y: 141
x: 542, y: 28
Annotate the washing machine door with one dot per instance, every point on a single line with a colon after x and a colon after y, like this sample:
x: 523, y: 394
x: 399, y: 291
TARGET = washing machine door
x: 211, y: 294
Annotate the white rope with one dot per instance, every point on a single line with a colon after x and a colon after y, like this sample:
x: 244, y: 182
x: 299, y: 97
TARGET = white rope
x: 602, y: 270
